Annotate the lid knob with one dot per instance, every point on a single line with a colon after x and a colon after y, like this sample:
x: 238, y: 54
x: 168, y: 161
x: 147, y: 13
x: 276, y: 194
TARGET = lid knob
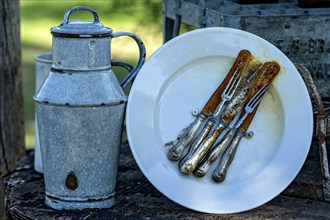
x: 79, y: 8
x: 81, y: 29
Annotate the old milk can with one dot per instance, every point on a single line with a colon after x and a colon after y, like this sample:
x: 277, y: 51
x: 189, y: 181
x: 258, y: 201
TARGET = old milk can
x: 43, y: 64
x: 80, y: 109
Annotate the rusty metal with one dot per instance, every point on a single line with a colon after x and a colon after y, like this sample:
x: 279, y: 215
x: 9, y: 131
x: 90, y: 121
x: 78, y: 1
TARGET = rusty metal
x: 199, y: 147
x: 190, y: 164
x: 203, y: 142
x: 255, y: 94
x: 187, y: 134
x: 322, y: 129
x: 262, y: 82
x: 214, y: 153
x: 259, y: 78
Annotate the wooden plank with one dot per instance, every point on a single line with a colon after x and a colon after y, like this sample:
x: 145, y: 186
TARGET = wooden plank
x: 11, y: 99
x: 136, y: 198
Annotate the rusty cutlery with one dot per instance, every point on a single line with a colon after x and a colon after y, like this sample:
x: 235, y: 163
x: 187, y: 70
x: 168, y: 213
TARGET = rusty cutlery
x: 187, y: 134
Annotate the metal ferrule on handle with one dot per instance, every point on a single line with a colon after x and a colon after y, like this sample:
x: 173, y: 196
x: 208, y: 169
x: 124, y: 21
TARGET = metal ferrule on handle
x: 219, y: 174
x: 214, y: 153
x: 191, y: 163
x: 197, y: 141
x: 175, y: 152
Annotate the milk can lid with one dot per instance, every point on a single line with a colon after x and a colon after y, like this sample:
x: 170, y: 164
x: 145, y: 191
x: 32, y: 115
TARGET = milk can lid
x: 81, y: 29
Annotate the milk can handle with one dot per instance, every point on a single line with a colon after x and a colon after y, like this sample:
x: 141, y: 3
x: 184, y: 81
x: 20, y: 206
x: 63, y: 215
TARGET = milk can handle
x: 78, y: 8
x: 142, y: 51
x: 124, y: 65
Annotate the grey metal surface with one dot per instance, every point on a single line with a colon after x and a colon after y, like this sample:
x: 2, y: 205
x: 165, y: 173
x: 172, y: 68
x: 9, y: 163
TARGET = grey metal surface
x: 214, y: 153
x: 81, y: 29
x: 80, y: 109
x: 81, y: 53
x: 303, y: 34
x: 185, y: 137
x: 81, y: 88
x: 43, y: 64
x: 85, y: 141
x: 219, y: 174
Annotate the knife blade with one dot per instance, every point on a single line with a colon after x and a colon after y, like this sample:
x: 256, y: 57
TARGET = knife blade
x: 187, y: 134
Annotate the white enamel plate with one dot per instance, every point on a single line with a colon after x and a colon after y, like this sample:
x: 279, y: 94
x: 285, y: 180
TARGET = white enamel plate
x: 179, y: 78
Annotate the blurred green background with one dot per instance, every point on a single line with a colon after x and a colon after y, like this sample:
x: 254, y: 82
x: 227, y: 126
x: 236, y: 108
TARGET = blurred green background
x: 142, y: 17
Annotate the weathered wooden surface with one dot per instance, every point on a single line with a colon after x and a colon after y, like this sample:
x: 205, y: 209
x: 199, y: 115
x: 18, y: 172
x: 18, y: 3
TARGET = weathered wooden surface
x: 300, y: 33
x: 11, y: 100
x: 138, y: 199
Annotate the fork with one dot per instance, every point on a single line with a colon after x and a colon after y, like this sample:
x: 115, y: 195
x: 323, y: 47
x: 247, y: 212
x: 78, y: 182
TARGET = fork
x: 222, y: 146
x: 253, y: 102
x: 228, y: 93
x: 226, y: 96
x: 188, y: 163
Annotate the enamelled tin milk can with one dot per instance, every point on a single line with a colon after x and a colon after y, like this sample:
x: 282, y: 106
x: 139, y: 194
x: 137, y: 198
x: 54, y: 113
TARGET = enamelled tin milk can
x: 80, y: 109
x: 43, y: 64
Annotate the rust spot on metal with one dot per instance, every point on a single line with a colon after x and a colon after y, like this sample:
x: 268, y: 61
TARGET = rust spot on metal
x: 71, y: 181
x: 322, y: 129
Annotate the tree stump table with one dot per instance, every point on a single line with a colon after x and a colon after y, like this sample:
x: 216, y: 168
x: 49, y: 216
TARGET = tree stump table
x: 136, y: 198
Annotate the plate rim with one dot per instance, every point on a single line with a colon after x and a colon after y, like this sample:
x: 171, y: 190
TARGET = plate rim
x: 167, y: 44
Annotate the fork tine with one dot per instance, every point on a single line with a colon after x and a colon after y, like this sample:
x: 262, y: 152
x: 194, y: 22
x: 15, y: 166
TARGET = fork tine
x: 253, y: 102
x: 258, y: 96
x: 229, y: 85
x: 228, y: 92
x: 233, y: 83
x: 237, y: 83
